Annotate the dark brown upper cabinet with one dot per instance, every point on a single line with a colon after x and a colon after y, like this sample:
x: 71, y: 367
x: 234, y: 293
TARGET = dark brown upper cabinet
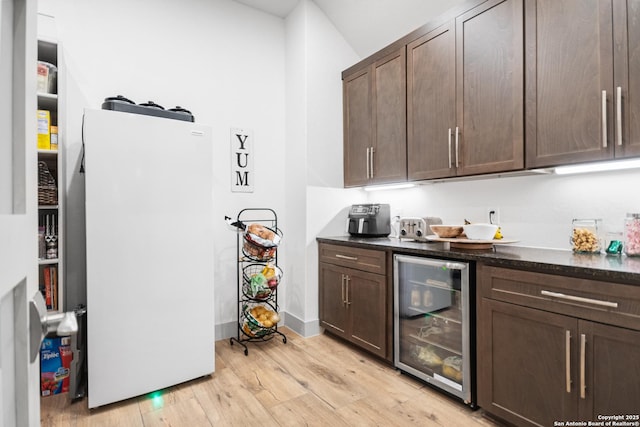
x: 375, y: 122
x: 465, y: 83
x: 626, y: 27
x: 583, y: 80
x: 431, y: 104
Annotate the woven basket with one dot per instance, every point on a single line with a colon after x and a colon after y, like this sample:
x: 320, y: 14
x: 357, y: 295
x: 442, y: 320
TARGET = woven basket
x: 47, y: 189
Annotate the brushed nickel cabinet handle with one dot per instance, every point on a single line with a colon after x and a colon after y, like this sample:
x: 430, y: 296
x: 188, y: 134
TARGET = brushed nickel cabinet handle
x: 367, y: 159
x: 567, y: 357
x: 371, y: 154
x: 350, y: 258
x: 449, y: 148
x: 619, y: 115
x: 348, y: 280
x: 579, y: 299
x: 342, y: 285
x: 457, y: 144
x: 583, y: 347
x: 604, y: 119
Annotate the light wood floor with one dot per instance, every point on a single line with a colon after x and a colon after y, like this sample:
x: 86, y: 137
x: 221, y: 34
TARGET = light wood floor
x: 317, y: 381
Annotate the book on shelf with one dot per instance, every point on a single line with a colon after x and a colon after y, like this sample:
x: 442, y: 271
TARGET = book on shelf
x: 50, y: 286
x: 54, y: 287
x: 46, y: 275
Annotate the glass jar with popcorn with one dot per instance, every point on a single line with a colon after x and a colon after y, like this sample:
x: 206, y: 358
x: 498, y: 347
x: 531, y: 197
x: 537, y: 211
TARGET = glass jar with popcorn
x: 631, y: 244
x: 586, y: 236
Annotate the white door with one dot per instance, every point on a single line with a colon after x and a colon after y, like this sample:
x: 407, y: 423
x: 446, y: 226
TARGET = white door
x: 19, y: 377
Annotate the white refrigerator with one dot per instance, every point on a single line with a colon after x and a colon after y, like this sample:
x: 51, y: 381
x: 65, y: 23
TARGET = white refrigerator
x: 149, y: 247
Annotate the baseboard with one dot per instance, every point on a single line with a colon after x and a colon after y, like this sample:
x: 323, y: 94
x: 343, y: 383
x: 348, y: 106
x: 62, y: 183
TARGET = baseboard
x: 304, y: 329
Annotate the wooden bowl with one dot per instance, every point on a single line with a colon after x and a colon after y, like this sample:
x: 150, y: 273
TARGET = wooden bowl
x: 446, y: 231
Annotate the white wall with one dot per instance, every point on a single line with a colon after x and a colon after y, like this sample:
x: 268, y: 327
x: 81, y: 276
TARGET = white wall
x: 221, y: 60
x: 316, y: 55
x: 536, y: 210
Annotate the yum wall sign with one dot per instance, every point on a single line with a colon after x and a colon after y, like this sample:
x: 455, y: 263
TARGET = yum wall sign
x: 241, y: 161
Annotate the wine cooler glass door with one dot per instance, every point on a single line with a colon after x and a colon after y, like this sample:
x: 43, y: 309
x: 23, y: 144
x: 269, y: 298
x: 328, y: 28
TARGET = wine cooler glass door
x: 432, y: 322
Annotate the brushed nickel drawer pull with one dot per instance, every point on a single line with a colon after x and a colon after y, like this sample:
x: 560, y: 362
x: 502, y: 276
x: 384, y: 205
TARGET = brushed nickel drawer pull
x: 350, y: 258
x: 567, y: 354
x: 367, y: 158
x: 619, y: 114
x: 449, y: 148
x: 580, y: 299
x: 371, y: 153
x: 583, y: 362
x: 604, y: 119
x: 457, y: 145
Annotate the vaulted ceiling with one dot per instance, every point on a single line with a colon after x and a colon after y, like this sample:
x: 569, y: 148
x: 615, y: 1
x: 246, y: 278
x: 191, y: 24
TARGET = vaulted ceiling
x: 367, y: 25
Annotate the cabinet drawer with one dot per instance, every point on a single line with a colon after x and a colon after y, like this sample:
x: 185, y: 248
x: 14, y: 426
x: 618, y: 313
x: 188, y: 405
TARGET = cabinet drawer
x: 347, y: 256
x: 604, y: 302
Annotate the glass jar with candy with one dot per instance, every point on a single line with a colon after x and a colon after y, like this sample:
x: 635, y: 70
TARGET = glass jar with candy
x: 631, y: 244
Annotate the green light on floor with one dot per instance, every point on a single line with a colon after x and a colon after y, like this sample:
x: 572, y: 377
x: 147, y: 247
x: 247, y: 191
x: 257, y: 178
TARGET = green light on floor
x: 156, y: 399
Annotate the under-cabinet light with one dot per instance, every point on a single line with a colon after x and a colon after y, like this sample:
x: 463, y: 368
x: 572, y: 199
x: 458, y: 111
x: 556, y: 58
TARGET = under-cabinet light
x: 598, y: 167
x: 389, y: 187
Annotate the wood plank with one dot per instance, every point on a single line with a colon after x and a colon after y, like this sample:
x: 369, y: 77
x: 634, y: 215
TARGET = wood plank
x: 167, y: 397
x: 307, y: 410
x: 316, y: 381
x: 121, y: 414
x: 227, y: 400
x: 184, y: 413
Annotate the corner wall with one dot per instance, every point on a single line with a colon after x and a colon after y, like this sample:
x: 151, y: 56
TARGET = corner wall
x: 316, y: 55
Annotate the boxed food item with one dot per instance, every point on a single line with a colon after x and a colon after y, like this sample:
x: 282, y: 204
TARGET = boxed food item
x: 47, y: 77
x: 54, y: 137
x: 55, y: 362
x: 43, y: 77
x: 44, y: 130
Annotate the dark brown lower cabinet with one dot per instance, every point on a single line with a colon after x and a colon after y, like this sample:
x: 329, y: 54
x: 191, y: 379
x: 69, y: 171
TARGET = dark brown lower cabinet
x: 521, y: 364
x: 353, y: 306
x: 537, y: 367
x: 355, y: 297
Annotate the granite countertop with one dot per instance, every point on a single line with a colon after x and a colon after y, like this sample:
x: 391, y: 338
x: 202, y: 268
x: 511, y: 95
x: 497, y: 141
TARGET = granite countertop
x: 608, y: 268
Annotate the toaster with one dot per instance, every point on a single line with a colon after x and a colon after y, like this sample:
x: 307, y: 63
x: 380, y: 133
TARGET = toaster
x: 416, y: 228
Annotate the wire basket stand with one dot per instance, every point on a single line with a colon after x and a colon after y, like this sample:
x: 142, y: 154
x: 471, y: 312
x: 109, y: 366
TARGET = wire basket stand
x: 251, y: 257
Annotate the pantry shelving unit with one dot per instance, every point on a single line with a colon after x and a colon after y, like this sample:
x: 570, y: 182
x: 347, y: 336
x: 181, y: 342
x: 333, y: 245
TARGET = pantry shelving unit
x: 50, y: 195
x: 250, y: 262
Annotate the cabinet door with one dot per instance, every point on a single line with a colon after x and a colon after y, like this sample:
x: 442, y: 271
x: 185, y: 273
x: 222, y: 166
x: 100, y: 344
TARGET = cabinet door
x: 523, y: 366
x: 490, y: 85
x: 357, y: 127
x: 627, y: 77
x: 612, y: 371
x: 569, y: 63
x: 389, y: 158
x: 332, y: 299
x: 367, y: 311
x: 431, y: 113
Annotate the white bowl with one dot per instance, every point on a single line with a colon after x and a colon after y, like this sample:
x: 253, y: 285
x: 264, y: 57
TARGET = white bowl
x: 480, y: 231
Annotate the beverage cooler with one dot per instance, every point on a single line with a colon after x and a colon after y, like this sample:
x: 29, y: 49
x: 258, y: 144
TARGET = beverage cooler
x: 432, y: 323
